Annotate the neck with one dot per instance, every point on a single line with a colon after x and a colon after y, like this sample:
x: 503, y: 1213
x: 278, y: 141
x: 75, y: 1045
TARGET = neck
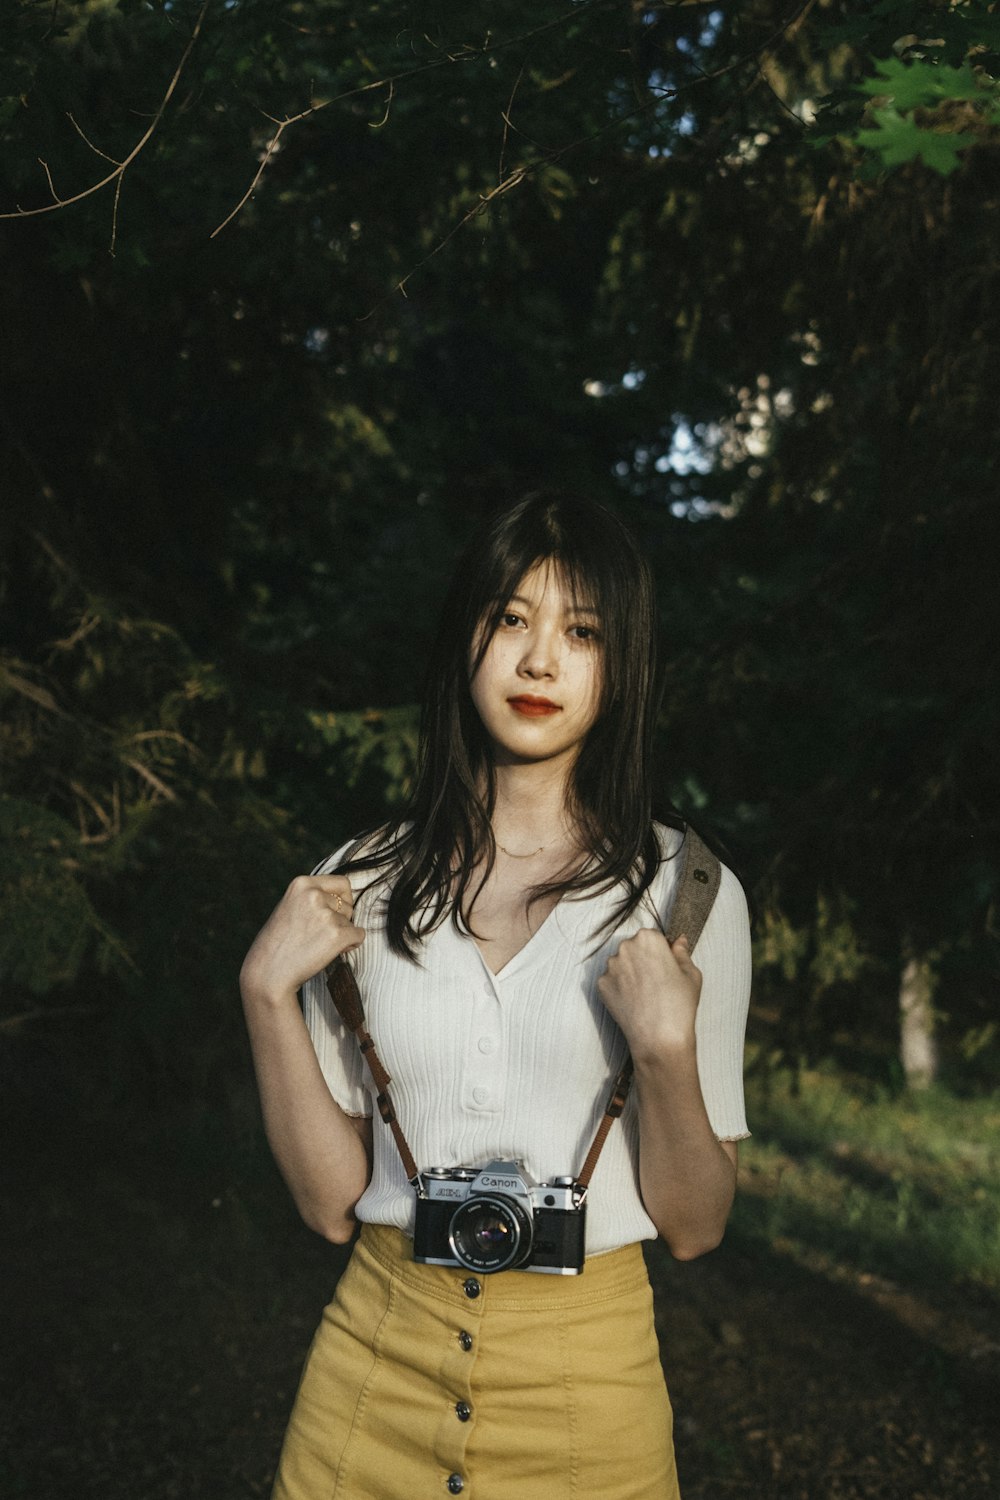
x: 531, y: 806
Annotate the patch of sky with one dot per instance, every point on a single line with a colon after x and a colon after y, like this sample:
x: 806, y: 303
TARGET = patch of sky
x: 697, y: 508
x: 693, y: 446
x: 687, y: 455
x: 713, y: 25
x: 692, y: 451
x: 662, y: 116
x: 706, y: 36
x: 663, y: 83
x: 630, y: 381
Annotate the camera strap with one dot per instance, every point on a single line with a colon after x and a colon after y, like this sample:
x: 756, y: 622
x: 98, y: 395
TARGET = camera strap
x: 346, y: 996
x: 697, y: 886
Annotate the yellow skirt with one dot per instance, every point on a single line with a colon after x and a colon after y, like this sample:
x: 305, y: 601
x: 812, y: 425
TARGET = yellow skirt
x: 424, y: 1382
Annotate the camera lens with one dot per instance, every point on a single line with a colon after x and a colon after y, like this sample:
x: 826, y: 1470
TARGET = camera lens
x: 490, y: 1234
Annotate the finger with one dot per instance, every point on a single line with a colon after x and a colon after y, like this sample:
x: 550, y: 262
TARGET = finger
x: 338, y: 884
x: 355, y: 937
x: 333, y: 891
x: 681, y: 949
x: 645, y: 937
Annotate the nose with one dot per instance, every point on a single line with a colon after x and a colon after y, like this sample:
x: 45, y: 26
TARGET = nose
x: 540, y: 657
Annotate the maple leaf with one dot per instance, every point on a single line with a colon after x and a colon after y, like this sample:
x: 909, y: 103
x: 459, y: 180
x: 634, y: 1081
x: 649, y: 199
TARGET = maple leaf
x: 912, y: 84
x: 898, y: 139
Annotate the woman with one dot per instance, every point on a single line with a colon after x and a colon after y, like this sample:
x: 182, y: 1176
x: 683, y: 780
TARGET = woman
x: 507, y: 935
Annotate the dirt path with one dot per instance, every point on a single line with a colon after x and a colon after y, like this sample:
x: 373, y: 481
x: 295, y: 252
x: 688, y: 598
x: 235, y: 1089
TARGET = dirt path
x: 813, y: 1384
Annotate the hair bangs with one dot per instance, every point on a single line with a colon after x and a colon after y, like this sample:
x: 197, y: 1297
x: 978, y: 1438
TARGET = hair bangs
x: 572, y: 537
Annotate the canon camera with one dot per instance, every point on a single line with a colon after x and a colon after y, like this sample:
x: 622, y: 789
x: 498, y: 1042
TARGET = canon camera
x: 497, y: 1218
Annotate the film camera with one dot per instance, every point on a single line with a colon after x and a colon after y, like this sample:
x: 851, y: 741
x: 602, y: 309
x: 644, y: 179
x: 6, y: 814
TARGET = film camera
x: 497, y: 1218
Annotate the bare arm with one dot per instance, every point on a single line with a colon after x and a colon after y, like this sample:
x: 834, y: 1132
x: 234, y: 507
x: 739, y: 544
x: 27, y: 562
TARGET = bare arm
x: 324, y: 1154
x: 687, y: 1177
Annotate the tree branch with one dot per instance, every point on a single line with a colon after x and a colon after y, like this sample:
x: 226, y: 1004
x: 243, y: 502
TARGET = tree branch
x: 96, y: 149
x: 548, y: 156
x: 122, y: 166
x: 465, y: 54
x: 151, y: 777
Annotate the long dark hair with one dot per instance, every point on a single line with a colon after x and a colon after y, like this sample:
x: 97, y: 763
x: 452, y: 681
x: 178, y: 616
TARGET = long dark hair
x: 432, y: 849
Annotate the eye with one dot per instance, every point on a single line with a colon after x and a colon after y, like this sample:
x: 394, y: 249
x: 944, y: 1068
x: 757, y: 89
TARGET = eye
x: 510, y: 619
x: 584, y: 633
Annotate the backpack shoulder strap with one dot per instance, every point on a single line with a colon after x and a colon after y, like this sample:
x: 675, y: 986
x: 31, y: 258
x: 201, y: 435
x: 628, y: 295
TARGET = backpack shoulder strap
x: 698, y: 881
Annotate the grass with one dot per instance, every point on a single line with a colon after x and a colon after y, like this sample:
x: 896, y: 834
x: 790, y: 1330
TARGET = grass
x: 906, y: 1186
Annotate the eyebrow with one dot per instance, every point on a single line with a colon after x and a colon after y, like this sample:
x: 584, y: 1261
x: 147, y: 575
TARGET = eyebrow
x: 571, y: 609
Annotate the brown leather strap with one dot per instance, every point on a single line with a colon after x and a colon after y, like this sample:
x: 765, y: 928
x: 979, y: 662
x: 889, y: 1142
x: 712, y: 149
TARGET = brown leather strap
x: 698, y: 882
x: 346, y: 996
x: 615, y: 1105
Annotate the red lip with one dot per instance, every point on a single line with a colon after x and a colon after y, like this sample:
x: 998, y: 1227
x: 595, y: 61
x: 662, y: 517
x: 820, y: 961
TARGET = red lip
x: 533, y: 708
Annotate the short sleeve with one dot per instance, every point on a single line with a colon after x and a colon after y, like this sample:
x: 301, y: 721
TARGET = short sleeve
x: 340, y: 1061
x: 723, y: 956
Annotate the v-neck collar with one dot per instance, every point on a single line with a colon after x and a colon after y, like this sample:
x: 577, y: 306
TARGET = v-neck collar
x: 535, y: 941
x: 560, y: 924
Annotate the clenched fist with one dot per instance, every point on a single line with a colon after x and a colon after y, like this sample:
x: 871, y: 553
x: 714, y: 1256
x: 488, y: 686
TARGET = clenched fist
x: 311, y: 925
x: 651, y: 987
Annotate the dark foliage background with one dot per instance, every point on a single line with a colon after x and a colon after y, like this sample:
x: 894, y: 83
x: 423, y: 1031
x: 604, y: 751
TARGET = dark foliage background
x: 730, y: 268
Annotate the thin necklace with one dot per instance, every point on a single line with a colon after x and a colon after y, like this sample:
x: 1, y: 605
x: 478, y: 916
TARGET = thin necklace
x: 530, y: 854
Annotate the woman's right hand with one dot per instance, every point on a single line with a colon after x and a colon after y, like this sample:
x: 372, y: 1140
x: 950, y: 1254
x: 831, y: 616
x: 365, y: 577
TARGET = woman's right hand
x: 310, y: 927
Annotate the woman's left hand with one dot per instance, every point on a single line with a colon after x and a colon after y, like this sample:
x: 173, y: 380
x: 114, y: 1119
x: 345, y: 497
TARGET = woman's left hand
x: 651, y: 987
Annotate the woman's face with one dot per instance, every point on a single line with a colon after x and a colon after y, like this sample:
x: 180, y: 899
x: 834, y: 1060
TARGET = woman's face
x: 537, y: 689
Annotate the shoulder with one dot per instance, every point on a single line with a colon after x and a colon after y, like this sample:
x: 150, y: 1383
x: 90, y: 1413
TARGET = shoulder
x: 332, y: 862
x: 375, y: 852
x: 670, y: 840
x: 731, y: 901
x: 730, y: 907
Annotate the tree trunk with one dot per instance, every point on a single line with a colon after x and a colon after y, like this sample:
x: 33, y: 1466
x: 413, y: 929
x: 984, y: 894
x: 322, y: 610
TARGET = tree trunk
x: 917, y: 1047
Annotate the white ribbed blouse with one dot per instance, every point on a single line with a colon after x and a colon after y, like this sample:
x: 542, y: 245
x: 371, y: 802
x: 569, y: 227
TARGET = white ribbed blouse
x: 519, y: 1064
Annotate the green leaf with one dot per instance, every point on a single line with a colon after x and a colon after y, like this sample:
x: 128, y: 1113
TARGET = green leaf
x: 899, y: 139
x: 912, y: 84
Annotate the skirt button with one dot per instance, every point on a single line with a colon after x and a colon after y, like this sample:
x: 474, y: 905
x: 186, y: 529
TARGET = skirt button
x: 456, y: 1484
x: 463, y: 1411
x: 465, y: 1339
x: 472, y: 1289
